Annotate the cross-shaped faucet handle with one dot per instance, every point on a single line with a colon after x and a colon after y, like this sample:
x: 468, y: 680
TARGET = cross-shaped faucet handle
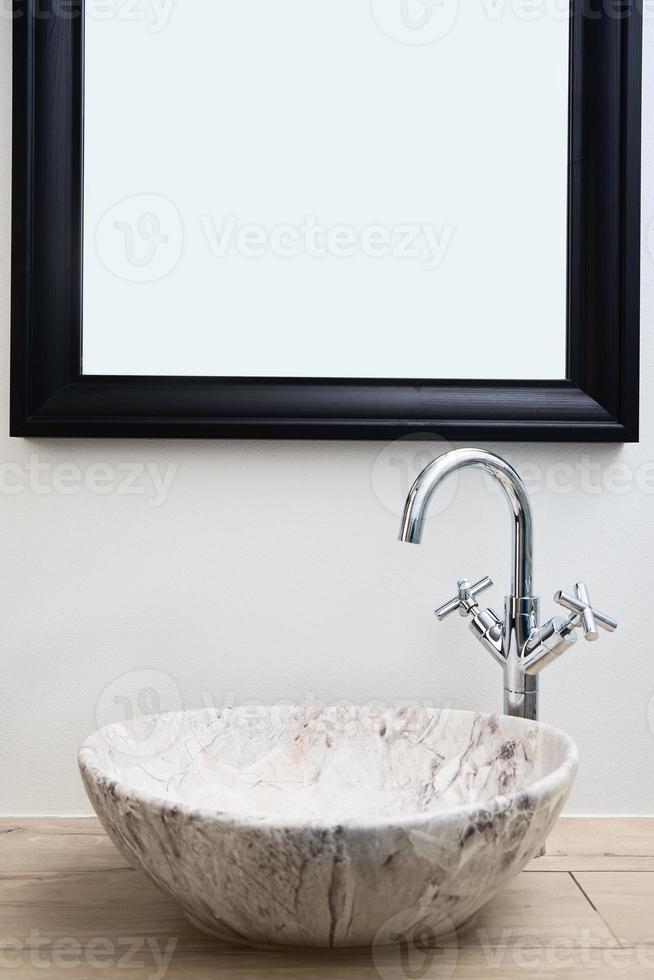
x: 465, y: 600
x: 583, y: 613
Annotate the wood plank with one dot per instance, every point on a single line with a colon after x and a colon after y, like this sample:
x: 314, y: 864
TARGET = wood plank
x: 104, y: 904
x: 67, y: 909
x: 625, y: 900
x: 23, y: 852
x: 52, y: 825
x: 538, y: 910
x: 599, y: 844
x: 575, y: 844
x: 538, y: 964
x: 112, y: 904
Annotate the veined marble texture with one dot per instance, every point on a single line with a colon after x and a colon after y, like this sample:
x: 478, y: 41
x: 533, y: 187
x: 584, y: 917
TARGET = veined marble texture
x: 338, y: 826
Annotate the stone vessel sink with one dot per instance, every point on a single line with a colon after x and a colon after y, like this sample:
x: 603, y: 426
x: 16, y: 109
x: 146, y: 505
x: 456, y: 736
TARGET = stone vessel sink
x: 328, y: 827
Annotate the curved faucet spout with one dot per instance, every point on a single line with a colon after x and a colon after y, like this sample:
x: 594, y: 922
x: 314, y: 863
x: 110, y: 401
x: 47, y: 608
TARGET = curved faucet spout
x: 516, y: 494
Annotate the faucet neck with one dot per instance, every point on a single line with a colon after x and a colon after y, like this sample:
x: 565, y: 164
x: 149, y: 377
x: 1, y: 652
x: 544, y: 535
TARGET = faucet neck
x: 514, y: 491
x: 522, y: 532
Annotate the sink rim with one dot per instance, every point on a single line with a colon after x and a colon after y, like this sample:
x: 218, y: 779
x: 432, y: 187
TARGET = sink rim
x: 559, y: 779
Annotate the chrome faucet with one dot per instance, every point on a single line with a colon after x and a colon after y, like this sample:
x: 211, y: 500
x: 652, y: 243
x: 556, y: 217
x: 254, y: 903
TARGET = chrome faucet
x: 517, y: 642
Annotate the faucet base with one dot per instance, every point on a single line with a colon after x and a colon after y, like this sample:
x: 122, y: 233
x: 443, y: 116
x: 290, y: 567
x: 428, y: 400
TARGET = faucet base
x: 523, y: 704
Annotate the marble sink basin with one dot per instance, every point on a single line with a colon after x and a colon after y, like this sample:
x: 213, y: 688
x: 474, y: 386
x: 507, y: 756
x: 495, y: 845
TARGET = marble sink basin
x: 328, y: 827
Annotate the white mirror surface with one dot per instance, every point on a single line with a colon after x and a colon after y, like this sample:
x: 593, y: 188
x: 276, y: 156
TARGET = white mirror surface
x: 325, y: 188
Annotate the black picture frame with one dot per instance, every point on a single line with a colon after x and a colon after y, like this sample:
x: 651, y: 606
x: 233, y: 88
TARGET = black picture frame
x: 598, y: 402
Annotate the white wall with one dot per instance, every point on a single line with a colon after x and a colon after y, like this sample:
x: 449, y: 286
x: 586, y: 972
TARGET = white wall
x: 272, y: 570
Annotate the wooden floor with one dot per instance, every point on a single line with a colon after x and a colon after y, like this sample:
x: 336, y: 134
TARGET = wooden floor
x: 70, y: 907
